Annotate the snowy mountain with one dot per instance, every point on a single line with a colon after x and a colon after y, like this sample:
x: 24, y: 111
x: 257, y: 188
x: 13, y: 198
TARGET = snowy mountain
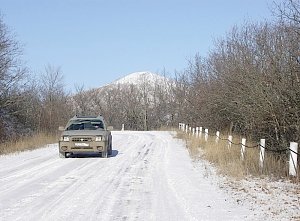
x: 138, y: 78
x: 132, y: 91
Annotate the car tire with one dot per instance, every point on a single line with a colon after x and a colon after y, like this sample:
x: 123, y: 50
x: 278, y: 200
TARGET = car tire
x: 104, y: 154
x: 110, y: 149
x: 62, y: 154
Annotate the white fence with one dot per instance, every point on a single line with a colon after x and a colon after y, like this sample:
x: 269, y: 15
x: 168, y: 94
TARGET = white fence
x: 293, y: 149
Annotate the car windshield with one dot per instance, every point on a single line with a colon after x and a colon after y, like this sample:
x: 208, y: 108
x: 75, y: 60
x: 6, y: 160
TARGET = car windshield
x: 85, y: 125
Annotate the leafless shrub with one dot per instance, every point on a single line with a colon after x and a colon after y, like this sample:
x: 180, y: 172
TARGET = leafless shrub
x: 249, y: 84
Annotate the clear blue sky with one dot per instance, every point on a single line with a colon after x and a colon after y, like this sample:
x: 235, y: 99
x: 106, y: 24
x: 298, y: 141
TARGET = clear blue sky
x: 98, y: 41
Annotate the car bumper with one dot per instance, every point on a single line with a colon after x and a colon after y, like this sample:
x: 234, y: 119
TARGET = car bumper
x: 83, y: 147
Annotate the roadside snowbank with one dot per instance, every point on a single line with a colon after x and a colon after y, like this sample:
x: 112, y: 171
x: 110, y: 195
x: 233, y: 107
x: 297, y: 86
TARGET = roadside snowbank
x: 268, y: 199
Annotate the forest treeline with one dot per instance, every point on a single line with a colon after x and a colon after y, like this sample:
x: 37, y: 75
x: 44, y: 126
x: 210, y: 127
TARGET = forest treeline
x: 248, y: 84
x: 29, y: 103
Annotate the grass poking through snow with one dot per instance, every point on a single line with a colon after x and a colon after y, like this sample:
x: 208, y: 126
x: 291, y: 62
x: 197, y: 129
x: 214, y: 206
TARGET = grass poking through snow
x: 27, y: 143
x: 228, y: 160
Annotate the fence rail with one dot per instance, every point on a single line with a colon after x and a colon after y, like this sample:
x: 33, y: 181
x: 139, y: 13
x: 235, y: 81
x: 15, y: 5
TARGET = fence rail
x: 293, y: 149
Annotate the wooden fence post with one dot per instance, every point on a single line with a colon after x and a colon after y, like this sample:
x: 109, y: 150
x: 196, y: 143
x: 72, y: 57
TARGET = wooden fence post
x: 200, y: 132
x: 206, y: 134
x: 217, y: 136
x: 123, y: 127
x: 229, y: 141
x: 293, y: 159
x: 243, y: 149
x: 197, y: 131
x: 262, y: 153
x: 193, y: 131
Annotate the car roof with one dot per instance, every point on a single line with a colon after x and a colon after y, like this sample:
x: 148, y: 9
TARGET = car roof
x: 76, y: 117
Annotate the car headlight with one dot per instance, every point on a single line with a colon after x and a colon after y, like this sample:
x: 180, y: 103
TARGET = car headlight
x: 98, y: 138
x: 67, y: 139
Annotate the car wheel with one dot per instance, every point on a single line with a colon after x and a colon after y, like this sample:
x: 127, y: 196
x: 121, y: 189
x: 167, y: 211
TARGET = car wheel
x: 110, y: 149
x: 62, y: 154
x: 104, y: 154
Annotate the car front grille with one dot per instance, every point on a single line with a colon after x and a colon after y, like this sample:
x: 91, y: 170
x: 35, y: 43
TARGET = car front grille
x: 81, y: 148
x: 81, y: 139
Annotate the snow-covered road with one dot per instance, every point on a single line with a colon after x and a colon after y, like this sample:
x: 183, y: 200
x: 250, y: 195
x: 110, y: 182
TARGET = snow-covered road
x: 149, y: 177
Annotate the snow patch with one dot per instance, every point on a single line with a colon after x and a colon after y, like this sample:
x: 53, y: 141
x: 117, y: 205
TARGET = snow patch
x: 138, y: 78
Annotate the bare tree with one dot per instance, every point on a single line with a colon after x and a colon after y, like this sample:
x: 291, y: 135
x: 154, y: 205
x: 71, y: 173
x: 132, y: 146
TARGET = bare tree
x: 288, y: 11
x: 12, y: 79
x: 11, y: 68
x: 82, y: 101
x: 54, y: 109
x: 248, y: 84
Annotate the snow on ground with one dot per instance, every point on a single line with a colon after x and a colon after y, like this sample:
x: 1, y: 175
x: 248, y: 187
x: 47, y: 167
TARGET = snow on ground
x: 266, y: 198
x: 150, y: 176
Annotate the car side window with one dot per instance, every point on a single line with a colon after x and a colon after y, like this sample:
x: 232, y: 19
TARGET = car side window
x: 99, y: 125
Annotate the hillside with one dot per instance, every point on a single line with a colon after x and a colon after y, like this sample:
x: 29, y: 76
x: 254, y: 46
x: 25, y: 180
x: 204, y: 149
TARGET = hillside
x: 137, y: 100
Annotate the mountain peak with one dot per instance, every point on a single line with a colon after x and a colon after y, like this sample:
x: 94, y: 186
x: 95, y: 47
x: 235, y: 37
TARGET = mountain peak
x: 140, y: 77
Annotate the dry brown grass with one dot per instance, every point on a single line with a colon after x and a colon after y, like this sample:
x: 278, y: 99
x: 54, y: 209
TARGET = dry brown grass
x: 228, y: 159
x: 27, y: 143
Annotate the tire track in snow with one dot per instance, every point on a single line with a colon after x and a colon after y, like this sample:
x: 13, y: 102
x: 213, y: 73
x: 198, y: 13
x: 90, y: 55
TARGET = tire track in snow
x: 149, y: 178
x: 98, y: 191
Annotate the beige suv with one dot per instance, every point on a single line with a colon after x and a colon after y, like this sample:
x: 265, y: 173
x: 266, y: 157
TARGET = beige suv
x: 84, y: 134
